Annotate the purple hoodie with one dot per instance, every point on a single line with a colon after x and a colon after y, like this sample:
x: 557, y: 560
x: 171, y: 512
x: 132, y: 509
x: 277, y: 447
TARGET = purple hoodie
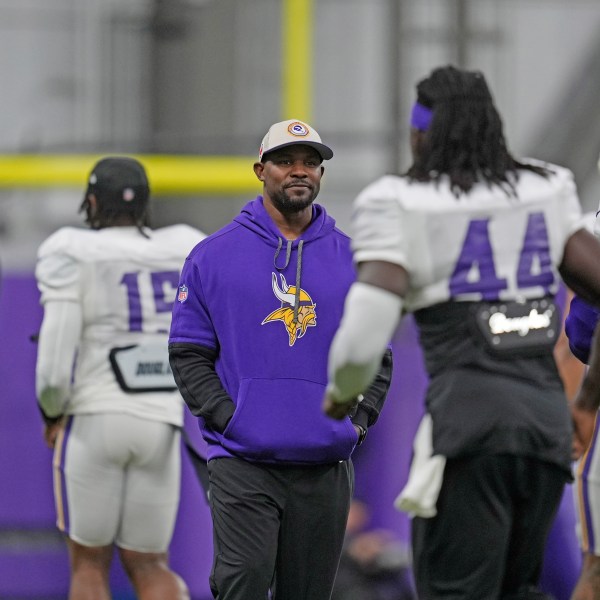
x: 238, y: 295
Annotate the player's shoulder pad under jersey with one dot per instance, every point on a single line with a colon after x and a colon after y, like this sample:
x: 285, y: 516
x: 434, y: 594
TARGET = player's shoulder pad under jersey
x: 57, y: 265
x: 589, y: 222
x: 384, y: 188
x: 66, y: 240
x: 182, y: 236
x: 558, y: 175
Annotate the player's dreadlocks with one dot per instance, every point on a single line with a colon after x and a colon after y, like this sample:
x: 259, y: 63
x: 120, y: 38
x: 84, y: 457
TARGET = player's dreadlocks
x: 465, y: 140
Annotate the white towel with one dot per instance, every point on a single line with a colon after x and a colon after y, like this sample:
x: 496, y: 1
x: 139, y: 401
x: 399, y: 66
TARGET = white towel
x: 420, y: 494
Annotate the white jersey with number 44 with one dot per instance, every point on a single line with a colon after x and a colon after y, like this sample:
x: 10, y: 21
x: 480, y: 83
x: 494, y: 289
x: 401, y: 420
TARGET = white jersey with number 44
x: 485, y: 245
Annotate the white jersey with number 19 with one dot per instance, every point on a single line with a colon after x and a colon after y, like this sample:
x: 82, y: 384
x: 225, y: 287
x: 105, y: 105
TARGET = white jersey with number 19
x: 124, y: 285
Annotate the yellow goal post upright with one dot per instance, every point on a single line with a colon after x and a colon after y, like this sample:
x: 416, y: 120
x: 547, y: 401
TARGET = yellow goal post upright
x: 182, y: 175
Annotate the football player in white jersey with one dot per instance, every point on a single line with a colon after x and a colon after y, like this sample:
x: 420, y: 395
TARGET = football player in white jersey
x: 580, y: 327
x: 473, y: 242
x: 110, y: 405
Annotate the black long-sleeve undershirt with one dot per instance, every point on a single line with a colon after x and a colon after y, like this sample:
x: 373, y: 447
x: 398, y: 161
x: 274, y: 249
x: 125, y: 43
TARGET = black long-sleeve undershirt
x: 194, y: 371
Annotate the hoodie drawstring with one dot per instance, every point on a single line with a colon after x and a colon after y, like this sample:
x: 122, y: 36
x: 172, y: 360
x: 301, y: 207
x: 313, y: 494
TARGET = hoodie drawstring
x: 288, y: 252
x: 298, y: 278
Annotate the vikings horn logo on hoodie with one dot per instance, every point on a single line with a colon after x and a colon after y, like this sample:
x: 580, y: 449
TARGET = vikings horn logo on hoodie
x: 297, y: 310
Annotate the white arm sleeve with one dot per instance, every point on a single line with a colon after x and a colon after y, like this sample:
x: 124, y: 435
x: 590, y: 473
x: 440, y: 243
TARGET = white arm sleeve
x: 58, y: 341
x: 371, y: 315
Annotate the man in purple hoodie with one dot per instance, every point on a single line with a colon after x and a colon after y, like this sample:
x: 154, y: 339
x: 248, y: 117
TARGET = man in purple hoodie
x: 258, y: 304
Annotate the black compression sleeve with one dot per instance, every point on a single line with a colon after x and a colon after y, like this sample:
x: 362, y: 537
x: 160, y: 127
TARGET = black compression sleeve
x: 368, y: 410
x: 194, y: 371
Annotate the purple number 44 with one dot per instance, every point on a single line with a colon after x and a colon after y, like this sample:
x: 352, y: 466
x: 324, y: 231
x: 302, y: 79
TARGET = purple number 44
x: 533, y: 269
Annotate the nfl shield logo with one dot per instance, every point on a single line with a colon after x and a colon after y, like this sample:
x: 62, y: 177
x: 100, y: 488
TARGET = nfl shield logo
x: 183, y: 293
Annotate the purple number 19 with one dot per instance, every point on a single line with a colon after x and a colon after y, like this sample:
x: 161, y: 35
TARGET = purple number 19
x: 161, y: 302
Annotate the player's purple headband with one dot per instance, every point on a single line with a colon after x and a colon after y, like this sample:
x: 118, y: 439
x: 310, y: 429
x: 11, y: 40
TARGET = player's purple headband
x: 420, y: 117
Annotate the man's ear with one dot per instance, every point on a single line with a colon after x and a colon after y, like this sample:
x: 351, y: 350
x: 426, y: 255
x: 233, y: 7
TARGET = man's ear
x: 92, y: 205
x: 258, y: 170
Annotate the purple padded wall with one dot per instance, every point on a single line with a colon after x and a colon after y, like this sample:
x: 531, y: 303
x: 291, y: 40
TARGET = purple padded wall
x: 26, y: 504
x: 33, y: 563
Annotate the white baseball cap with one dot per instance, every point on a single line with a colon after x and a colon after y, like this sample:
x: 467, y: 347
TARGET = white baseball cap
x: 291, y: 132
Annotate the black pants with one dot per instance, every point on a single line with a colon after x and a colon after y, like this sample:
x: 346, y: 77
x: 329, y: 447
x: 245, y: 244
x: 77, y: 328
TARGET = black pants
x: 278, y: 528
x: 487, y: 540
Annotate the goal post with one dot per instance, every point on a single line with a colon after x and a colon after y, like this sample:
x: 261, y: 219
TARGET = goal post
x: 169, y: 175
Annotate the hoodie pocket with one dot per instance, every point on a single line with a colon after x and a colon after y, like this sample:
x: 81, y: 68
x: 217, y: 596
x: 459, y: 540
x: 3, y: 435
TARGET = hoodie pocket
x: 281, y: 420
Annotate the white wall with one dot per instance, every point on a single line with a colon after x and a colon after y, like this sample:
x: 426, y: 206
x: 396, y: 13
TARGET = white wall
x: 79, y: 75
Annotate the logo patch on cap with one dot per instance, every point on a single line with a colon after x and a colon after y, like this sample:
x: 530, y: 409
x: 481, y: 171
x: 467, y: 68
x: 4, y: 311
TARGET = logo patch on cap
x: 128, y: 195
x: 298, y: 129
